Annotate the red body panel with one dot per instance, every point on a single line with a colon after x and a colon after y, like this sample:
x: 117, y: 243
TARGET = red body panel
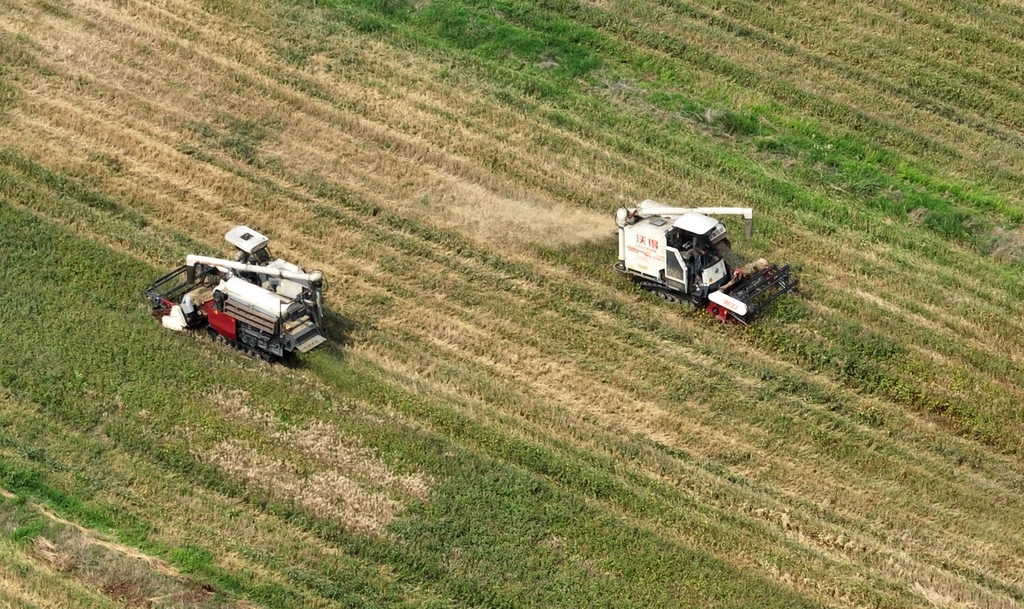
x: 717, y: 310
x: 224, y: 324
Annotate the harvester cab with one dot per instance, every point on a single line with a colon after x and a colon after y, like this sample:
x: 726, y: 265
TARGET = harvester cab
x: 265, y: 307
x: 684, y: 256
x: 251, y: 246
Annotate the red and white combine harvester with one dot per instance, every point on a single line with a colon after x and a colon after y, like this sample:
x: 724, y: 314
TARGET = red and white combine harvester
x: 267, y: 308
x: 682, y: 255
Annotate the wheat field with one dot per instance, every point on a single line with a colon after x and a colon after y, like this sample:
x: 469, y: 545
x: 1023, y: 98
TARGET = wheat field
x: 499, y: 419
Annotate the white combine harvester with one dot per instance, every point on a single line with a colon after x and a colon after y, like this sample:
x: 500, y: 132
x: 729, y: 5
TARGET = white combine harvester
x: 683, y: 255
x: 267, y: 308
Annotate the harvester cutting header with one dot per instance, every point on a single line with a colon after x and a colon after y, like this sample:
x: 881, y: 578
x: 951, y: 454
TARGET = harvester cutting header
x: 683, y: 255
x: 263, y: 306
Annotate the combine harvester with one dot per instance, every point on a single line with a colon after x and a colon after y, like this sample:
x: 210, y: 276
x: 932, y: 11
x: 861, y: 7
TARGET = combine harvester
x: 683, y: 256
x: 267, y: 308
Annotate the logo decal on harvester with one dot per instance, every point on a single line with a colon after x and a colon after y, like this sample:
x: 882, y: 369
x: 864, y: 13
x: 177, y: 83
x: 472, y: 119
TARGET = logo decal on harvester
x: 644, y: 245
x: 647, y: 242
